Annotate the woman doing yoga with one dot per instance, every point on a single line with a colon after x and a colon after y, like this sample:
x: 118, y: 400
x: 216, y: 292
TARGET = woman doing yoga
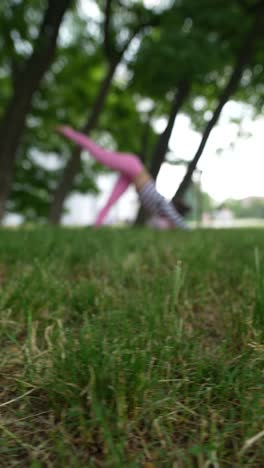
x: 131, y: 171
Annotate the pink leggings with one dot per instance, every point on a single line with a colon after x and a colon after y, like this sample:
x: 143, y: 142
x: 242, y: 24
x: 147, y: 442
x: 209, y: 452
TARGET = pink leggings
x: 129, y: 166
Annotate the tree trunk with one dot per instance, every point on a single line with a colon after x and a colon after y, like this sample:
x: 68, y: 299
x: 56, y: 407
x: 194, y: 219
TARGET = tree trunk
x: 26, y: 83
x: 74, y: 163
x: 145, y: 140
x: 243, y: 58
x: 161, y: 147
x: 114, y: 57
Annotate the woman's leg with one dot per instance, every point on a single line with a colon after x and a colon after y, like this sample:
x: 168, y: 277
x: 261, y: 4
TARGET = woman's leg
x: 120, y: 187
x: 128, y: 164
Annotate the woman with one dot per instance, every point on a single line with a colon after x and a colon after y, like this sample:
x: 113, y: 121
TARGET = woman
x: 131, y: 171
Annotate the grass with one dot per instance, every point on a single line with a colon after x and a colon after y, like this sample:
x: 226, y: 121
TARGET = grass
x: 131, y: 348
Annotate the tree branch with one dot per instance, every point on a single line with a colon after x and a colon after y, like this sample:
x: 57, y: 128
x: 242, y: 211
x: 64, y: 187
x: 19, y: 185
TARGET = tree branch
x: 107, y: 29
x: 151, y: 23
x: 244, y: 57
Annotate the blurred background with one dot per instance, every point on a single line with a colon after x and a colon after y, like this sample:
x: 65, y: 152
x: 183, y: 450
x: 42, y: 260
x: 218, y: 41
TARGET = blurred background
x: 180, y: 83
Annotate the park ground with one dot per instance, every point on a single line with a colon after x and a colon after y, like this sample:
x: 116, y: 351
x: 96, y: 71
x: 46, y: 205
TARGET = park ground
x: 130, y: 347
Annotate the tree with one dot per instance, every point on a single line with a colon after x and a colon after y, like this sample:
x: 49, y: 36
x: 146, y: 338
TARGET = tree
x: 243, y: 59
x: 190, y: 70
x: 170, y: 66
x: 133, y: 20
x: 26, y: 78
x: 251, y: 207
x: 43, y: 154
x: 72, y: 80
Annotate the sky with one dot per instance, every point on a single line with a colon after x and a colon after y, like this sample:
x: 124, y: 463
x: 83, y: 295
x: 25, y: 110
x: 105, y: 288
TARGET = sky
x: 235, y: 172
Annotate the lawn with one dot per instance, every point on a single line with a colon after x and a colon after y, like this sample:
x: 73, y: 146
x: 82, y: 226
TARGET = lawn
x: 131, y: 348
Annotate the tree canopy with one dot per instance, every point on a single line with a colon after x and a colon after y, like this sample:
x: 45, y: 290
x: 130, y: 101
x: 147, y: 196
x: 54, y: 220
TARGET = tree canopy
x: 112, y: 74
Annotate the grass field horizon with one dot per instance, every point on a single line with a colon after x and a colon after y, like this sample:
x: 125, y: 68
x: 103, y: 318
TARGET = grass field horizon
x: 131, y: 347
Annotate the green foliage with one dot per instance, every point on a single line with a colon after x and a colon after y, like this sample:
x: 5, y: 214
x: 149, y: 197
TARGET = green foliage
x: 247, y: 208
x: 71, y: 82
x: 198, y: 43
x: 187, y: 45
x: 125, y: 123
x: 18, y: 25
x: 19, y: 22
